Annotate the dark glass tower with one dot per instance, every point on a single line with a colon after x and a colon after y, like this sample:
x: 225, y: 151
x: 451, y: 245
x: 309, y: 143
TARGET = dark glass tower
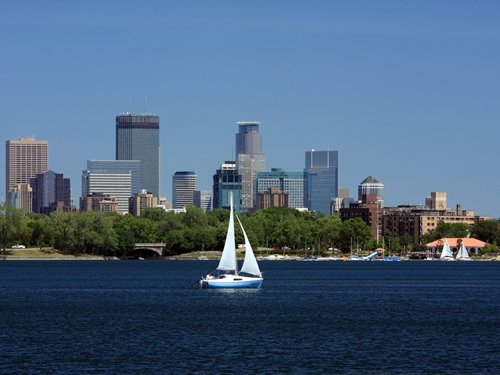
x: 226, y: 180
x: 138, y: 138
x: 322, y: 170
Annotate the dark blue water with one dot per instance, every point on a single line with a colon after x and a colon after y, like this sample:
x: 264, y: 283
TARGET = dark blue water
x: 131, y: 317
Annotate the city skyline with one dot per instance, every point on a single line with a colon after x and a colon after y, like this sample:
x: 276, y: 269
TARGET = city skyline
x: 407, y: 92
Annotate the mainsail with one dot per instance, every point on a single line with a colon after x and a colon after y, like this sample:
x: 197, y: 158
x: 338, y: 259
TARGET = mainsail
x: 446, y: 253
x: 228, y: 261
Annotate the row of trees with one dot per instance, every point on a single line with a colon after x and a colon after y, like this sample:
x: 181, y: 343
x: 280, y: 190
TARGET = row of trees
x: 278, y: 227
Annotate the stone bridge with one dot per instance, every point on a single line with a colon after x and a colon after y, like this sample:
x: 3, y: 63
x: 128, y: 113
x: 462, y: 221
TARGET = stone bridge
x: 145, y: 248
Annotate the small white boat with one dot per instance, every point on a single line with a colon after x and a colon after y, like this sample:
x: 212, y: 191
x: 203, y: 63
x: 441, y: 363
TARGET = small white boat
x: 354, y: 257
x: 446, y: 253
x: 463, y: 254
x: 232, y: 278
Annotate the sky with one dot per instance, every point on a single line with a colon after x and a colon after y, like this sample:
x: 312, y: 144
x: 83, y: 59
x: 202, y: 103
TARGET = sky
x: 405, y: 91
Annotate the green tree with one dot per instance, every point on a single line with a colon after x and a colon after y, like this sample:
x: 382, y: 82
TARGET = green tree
x: 327, y: 230
x: 10, y: 221
x: 487, y: 231
x: 354, y: 231
x: 63, y: 225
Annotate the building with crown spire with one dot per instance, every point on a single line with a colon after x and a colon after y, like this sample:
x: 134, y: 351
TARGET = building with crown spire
x: 371, y: 186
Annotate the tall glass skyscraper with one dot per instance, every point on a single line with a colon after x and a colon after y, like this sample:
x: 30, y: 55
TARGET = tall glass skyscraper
x: 184, y: 184
x: 226, y: 180
x: 49, y: 189
x: 249, y: 159
x: 138, y: 138
x: 322, y: 170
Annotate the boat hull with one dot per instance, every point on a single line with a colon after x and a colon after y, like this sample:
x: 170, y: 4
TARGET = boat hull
x: 232, y: 282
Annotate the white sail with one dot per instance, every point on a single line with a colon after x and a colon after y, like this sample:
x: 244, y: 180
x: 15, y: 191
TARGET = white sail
x: 250, y: 265
x: 463, y: 253
x: 446, y: 253
x: 228, y: 261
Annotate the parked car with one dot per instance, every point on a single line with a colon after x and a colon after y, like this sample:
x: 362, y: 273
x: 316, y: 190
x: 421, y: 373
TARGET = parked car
x: 19, y: 247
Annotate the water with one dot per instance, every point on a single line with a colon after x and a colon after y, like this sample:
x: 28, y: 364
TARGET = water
x: 131, y: 317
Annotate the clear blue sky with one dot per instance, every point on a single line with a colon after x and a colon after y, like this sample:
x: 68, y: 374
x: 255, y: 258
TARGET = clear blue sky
x: 406, y: 91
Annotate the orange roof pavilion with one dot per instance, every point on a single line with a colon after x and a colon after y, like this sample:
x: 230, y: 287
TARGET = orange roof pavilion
x: 468, y: 242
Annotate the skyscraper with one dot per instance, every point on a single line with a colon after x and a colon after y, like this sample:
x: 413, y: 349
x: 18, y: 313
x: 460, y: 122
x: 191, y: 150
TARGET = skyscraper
x: 184, y: 184
x: 322, y: 179
x: 249, y: 159
x: 51, y: 191
x: 226, y: 179
x: 294, y: 183
x: 203, y: 199
x: 371, y: 185
x: 138, y: 138
x: 116, y: 178
x: 24, y: 159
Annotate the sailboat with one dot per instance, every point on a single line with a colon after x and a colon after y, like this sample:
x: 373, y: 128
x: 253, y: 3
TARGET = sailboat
x: 446, y: 253
x: 463, y: 254
x: 232, y: 277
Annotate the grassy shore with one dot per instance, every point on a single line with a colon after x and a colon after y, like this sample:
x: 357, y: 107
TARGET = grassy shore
x: 44, y: 253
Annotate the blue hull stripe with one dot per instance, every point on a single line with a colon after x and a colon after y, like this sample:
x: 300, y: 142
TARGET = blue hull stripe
x: 233, y: 284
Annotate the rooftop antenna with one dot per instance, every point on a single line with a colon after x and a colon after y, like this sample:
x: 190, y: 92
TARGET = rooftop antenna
x: 145, y: 105
x: 130, y: 104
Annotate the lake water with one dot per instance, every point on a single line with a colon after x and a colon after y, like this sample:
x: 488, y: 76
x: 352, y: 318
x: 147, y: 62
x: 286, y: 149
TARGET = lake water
x: 132, y: 317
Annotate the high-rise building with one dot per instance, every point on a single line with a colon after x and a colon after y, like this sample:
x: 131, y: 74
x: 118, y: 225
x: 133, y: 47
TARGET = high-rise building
x: 24, y: 159
x: 138, y: 138
x: 226, y: 179
x: 140, y: 201
x: 272, y: 197
x: 21, y: 196
x: 121, y: 167
x: 371, y: 186
x: 294, y: 183
x: 203, y: 199
x: 184, y: 184
x: 249, y: 159
x: 322, y: 171
x: 117, y: 178
x: 437, y: 201
x: 99, y: 202
x: 118, y: 185
x: 51, y: 192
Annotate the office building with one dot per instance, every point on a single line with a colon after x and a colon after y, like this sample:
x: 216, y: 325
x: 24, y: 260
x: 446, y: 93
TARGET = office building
x: 99, y: 202
x: 184, y: 184
x: 203, y: 199
x: 249, y: 159
x: 437, y: 201
x: 138, y: 138
x: 114, y: 184
x: 322, y: 179
x: 272, y: 197
x: 21, y: 196
x: 139, y: 201
x: 370, y: 186
x: 24, y: 159
x: 119, y: 167
x: 293, y: 183
x: 226, y: 179
x: 368, y: 210
x: 51, y: 192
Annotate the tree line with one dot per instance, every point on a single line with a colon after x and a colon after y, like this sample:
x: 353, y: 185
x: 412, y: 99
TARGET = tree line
x: 111, y: 234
